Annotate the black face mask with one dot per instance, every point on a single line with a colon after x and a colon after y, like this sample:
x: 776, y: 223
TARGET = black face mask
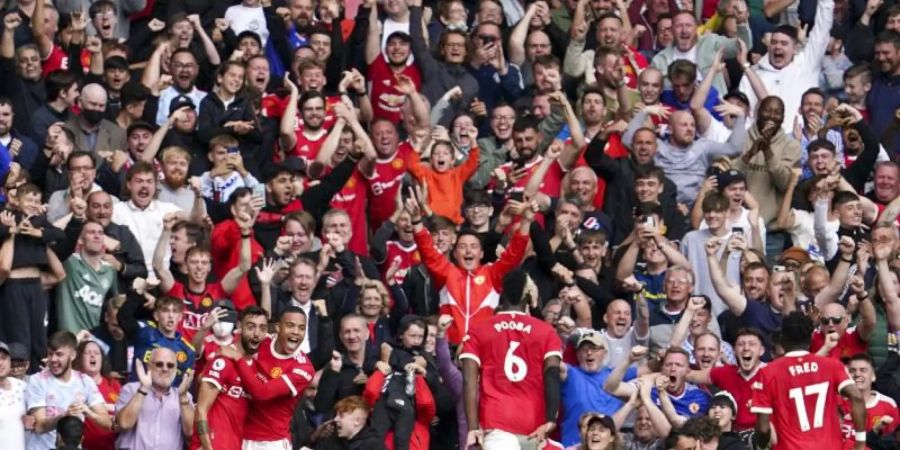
x: 91, y: 116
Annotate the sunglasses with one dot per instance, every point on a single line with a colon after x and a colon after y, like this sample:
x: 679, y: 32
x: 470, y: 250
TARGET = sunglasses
x: 830, y: 320
x: 160, y: 365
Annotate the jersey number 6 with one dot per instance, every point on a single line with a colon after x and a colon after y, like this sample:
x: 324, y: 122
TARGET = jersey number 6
x: 514, y: 367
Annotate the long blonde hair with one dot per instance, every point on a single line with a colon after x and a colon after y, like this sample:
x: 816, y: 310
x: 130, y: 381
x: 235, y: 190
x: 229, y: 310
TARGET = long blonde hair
x: 382, y: 291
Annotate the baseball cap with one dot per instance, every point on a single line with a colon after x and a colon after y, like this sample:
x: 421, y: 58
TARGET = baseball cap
x: 5, y: 348
x: 18, y: 351
x: 597, y: 417
x: 592, y: 337
x: 726, y: 399
x: 140, y: 125
x: 728, y: 177
x: 796, y: 254
x: 228, y: 306
x: 180, y: 102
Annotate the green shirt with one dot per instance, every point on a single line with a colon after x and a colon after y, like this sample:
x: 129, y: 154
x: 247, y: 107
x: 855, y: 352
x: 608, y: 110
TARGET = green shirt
x: 80, y: 297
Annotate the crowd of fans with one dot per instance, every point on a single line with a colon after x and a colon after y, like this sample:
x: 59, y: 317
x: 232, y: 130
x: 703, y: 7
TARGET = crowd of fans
x: 397, y: 224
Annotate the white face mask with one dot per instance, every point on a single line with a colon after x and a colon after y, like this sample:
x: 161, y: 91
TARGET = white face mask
x: 222, y: 329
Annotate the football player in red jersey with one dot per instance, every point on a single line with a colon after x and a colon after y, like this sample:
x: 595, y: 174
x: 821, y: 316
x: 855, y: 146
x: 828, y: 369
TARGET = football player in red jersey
x: 882, y: 417
x: 277, y: 375
x: 806, y: 389
x: 220, y: 418
x: 517, y: 358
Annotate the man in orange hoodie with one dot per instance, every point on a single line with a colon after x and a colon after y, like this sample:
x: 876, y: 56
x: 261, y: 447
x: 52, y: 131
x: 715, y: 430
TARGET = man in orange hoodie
x: 469, y: 291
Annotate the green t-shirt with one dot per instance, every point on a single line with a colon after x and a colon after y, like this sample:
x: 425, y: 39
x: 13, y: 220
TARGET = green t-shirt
x: 80, y: 297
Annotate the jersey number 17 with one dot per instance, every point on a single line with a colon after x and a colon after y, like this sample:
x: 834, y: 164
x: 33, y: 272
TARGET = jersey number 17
x: 820, y: 390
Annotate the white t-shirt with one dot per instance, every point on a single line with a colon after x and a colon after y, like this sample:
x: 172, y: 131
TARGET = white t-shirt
x: 12, y: 408
x: 145, y: 224
x: 248, y: 19
x: 803, y: 233
x: 54, y: 395
x: 743, y: 222
x: 620, y: 348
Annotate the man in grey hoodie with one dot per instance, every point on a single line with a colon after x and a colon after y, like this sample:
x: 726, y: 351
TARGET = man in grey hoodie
x: 684, y: 157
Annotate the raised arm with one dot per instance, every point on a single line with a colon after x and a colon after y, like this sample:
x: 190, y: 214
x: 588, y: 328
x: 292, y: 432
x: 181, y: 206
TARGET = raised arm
x: 209, y: 47
x: 759, y: 88
x: 668, y: 408
x: 832, y: 292
x: 661, y: 424
x: 732, y: 296
x: 44, y: 43
x: 233, y: 277
x: 680, y: 333
x: 373, y: 36
x: 160, y: 268
x: 153, y: 69
x: 785, y: 219
x: 286, y: 137
x: 613, y: 384
x: 11, y: 21
x: 698, y: 100
x: 887, y: 287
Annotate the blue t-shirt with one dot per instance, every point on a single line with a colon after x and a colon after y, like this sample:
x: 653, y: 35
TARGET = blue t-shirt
x: 149, y: 338
x: 583, y: 392
x: 693, y: 402
x: 761, y: 316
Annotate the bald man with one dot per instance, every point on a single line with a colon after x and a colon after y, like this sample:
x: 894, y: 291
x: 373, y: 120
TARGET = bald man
x: 835, y: 338
x: 153, y: 406
x: 93, y: 131
x: 683, y: 157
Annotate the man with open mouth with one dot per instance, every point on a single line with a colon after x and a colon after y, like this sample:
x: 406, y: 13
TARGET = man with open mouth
x: 222, y: 405
x: 737, y: 379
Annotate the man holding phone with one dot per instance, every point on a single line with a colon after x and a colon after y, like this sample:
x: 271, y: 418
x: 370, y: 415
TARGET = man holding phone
x: 498, y: 80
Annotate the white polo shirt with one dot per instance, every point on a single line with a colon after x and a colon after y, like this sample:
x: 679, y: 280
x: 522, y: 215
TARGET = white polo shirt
x: 145, y: 224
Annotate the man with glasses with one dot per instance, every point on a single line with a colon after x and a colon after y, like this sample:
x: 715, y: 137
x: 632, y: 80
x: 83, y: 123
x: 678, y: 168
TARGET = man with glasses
x: 81, y: 171
x: 161, y: 332
x: 19, y: 360
x: 153, y: 413
x: 835, y: 337
x: 495, y: 147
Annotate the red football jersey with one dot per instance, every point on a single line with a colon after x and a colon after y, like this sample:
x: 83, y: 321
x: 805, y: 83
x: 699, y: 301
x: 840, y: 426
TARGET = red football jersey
x: 551, y: 185
x: 848, y: 345
x: 386, y: 100
x: 729, y: 378
x: 409, y: 256
x: 801, y: 392
x: 56, y: 60
x: 95, y: 437
x: 877, y: 407
x: 383, y: 185
x: 285, y: 377
x: 308, y: 144
x: 208, y: 352
x: 196, y: 306
x: 352, y: 198
x: 510, y: 349
x: 227, y: 414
